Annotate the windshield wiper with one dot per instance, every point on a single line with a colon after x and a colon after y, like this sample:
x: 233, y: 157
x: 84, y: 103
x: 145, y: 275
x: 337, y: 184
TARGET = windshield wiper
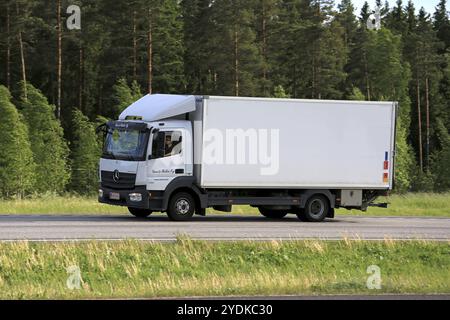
x: 130, y: 157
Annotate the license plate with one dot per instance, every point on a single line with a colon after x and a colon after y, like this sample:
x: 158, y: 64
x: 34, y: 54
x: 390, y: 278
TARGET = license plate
x: 114, y: 196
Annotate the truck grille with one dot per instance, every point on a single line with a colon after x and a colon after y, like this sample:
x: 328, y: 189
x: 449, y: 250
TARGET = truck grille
x: 125, y: 181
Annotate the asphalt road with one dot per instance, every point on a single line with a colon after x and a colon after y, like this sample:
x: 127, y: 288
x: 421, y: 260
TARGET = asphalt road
x: 159, y: 228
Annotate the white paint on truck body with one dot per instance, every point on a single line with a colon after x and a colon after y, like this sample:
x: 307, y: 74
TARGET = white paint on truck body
x: 322, y: 143
x: 153, y: 107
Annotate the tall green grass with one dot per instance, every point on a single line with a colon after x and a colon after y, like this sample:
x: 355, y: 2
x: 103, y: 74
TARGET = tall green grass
x: 196, y: 268
x: 55, y: 204
x: 411, y: 204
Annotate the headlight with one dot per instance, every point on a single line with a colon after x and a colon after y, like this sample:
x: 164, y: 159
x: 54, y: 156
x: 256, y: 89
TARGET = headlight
x: 135, y: 197
x: 100, y: 193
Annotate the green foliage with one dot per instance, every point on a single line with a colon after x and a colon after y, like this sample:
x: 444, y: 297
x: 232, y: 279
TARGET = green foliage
x: 17, y: 168
x: 50, y: 150
x: 168, y: 48
x: 403, y: 160
x: 235, y: 56
x: 85, y: 154
x: 357, y: 94
x: 278, y: 92
x: 441, y: 160
x: 389, y: 74
x: 422, y: 181
x: 124, y: 95
x: 317, y: 69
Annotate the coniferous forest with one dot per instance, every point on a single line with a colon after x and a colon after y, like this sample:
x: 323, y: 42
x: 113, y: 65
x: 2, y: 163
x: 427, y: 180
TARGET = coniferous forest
x: 58, y: 83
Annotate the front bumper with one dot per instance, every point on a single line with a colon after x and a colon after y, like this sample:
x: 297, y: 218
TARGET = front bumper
x: 150, y: 199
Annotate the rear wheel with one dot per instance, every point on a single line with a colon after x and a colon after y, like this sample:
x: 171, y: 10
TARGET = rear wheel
x: 272, y: 214
x: 139, y: 213
x: 181, y: 207
x: 316, y: 209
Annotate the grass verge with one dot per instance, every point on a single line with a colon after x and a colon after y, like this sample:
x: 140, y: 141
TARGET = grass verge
x: 196, y: 268
x: 412, y: 204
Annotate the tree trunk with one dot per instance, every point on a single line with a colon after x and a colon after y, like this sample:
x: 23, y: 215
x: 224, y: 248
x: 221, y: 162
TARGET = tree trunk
x: 313, y: 75
x: 264, y: 48
x: 22, y: 57
x: 81, y: 79
x: 419, y: 122
x: 59, y: 59
x: 100, y: 99
x: 236, y: 61
x: 134, y: 47
x: 8, y: 49
x: 427, y: 101
x: 366, y: 76
x: 150, y: 52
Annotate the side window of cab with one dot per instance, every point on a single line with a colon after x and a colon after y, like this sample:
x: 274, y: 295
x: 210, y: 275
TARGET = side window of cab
x: 166, y: 144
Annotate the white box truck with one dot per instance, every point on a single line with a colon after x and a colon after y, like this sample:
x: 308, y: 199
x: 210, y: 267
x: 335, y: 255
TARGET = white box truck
x: 181, y: 154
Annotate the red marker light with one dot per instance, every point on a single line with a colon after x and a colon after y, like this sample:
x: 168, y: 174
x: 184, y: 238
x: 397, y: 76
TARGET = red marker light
x: 386, y: 165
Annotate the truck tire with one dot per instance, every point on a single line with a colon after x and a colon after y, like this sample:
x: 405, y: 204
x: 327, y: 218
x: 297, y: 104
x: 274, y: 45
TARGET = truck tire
x: 181, y: 207
x: 140, y: 213
x: 316, y: 209
x: 272, y: 214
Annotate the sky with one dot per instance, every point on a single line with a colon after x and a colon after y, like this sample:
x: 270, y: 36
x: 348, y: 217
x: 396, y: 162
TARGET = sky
x: 429, y: 5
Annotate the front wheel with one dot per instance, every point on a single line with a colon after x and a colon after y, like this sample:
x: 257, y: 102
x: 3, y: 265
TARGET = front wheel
x: 316, y: 209
x: 272, y: 214
x: 181, y: 207
x: 139, y: 213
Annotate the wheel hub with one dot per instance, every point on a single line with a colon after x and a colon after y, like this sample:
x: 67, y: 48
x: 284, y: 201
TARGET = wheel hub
x: 316, y: 207
x: 182, y: 206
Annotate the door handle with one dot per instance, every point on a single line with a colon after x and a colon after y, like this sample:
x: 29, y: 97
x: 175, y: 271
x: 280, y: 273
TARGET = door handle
x: 178, y: 171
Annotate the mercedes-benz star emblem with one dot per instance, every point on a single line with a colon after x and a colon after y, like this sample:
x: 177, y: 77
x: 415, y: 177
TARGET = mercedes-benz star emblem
x: 116, y: 176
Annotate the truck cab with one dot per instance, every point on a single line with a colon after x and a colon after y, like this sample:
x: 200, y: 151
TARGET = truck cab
x: 141, y: 155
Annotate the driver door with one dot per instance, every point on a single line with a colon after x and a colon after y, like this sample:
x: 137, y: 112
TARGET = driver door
x: 167, y: 158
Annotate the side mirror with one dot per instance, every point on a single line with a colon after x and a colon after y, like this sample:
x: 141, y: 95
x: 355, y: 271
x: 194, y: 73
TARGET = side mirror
x: 149, y: 157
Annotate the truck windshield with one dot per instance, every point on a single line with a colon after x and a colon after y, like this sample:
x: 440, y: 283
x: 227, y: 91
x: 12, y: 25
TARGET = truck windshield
x: 125, y: 143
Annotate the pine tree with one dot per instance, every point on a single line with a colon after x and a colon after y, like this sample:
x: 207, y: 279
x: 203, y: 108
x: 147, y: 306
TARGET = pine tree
x: 311, y: 64
x: 357, y: 66
x: 85, y: 153
x: 266, y: 13
x: 364, y: 13
x: 197, y: 32
x: 396, y: 19
x: 442, y: 23
x: 347, y: 20
x: 16, y: 158
x: 411, y: 20
x: 164, y: 51
x: 330, y: 58
x: 50, y: 150
x: 236, y: 58
x: 421, y: 51
x: 441, y: 159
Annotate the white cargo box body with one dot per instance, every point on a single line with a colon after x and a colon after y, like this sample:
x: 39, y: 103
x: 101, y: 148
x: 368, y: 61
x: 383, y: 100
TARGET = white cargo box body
x: 322, y: 144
